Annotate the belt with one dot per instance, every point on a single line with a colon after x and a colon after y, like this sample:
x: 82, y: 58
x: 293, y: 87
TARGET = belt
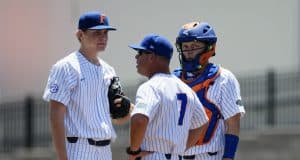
x: 212, y: 153
x: 90, y: 141
x: 189, y: 157
x: 168, y: 156
x: 194, y: 156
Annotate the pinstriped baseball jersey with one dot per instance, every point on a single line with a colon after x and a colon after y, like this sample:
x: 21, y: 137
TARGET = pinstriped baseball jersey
x: 172, y: 108
x: 82, y: 87
x: 224, y: 94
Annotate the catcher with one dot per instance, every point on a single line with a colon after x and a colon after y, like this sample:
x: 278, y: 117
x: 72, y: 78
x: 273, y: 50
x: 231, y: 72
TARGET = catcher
x: 217, y: 88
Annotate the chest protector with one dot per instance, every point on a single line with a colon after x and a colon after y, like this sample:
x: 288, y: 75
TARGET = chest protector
x: 201, y: 85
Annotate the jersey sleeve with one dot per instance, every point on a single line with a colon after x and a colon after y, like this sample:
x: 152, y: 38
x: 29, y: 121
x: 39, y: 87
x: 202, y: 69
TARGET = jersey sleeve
x: 59, y: 85
x: 231, y: 101
x: 147, y: 101
x: 199, y: 116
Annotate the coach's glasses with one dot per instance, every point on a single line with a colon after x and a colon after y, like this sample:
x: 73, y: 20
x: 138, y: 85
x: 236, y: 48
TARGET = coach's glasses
x: 141, y: 52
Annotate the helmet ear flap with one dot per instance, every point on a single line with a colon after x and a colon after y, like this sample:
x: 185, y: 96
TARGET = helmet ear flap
x: 211, y: 47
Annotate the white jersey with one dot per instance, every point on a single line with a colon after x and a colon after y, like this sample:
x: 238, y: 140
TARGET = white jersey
x: 82, y: 87
x: 225, y: 94
x: 172, y: 108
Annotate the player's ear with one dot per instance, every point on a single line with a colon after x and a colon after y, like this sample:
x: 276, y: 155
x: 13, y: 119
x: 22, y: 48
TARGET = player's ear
x: 152, y: 58
x: 79, y: 34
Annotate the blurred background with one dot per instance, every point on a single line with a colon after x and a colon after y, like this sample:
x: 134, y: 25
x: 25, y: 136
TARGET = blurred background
x: 258, y: 41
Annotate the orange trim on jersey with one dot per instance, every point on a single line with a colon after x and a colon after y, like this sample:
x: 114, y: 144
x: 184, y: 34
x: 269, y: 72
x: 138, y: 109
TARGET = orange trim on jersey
x: 200, y: 86
x: 191, y: 80
x: 209, y: 115
x: 206, y: 83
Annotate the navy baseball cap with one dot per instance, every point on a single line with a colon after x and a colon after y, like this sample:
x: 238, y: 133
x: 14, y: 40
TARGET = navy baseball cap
x: 157, y: 44
x: 94, y: 20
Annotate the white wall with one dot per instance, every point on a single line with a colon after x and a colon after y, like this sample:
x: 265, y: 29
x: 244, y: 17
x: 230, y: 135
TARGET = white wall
x: 252, y: 35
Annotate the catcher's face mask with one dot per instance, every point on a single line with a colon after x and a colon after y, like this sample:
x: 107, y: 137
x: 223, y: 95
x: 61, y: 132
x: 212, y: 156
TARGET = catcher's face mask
x: 191, y: 49
x: 196, y: 32
x: 194, y: 55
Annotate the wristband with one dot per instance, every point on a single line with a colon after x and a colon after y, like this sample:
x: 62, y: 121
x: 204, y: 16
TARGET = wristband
x: 231, y: 143
x: 129, y: 151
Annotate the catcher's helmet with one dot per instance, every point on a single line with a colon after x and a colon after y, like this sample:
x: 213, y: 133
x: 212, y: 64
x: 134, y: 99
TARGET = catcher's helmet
x: 196, y: 31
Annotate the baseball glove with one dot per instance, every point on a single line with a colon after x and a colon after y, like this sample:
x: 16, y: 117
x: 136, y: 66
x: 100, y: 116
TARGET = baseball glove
x: 115, y: 91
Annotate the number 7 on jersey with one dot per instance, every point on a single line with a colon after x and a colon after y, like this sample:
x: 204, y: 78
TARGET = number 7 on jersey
x: 183, y: 98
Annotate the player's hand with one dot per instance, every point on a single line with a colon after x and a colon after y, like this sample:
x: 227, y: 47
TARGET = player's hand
x: 142, y: 154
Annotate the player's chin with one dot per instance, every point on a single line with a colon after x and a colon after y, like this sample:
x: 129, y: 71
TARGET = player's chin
x: 100, y: 48
x: 138, y: 69
x: 189, y: 59
x: 141, y: 72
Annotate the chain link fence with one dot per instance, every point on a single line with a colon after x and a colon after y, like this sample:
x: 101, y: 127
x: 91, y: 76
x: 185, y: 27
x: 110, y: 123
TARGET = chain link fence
x: 270, y: 100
